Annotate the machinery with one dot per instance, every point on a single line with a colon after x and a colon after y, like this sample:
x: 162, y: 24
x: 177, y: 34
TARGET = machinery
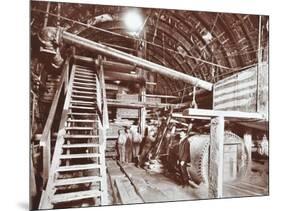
x: 236, y: 157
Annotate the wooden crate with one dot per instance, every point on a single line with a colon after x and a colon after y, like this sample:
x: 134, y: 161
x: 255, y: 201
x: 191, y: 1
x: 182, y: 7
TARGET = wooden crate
x: 123, y: 113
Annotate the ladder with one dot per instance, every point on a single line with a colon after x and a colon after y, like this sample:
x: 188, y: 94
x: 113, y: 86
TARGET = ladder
x: 77, y: 175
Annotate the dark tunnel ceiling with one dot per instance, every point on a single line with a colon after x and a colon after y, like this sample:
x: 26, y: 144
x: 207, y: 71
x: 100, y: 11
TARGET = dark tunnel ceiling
x: 207, y: 45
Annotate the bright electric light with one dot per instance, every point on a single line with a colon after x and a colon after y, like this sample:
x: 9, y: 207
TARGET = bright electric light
x: 133, y: 20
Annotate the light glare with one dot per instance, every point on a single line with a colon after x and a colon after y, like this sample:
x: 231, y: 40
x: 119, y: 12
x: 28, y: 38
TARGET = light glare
x: 133, y: 20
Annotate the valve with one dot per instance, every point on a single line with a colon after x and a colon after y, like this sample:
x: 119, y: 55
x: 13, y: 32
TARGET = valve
x: 50, y: 39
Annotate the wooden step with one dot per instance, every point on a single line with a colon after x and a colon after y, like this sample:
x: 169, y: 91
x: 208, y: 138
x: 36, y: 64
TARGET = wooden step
x: 84, y: 84
x: 80, y: 128
x: 81, y: 72
x: 83, y: 66
x: 85, y: 70
x: 66, y: 197
x: 82, y: 120
x: 83, y: 97
x: 84, y: 80
x: 79, y: 75
x: 85, y: 155
x: 79, y: 136
x: 82, y: 114
x: 85, y: 77
x: 78, y: 167
x: 84, y: 88
x: 78, y: 180
x: 82, y: 107
x: 71, y: 146
x: 84, y: 93
x: 82, y: 102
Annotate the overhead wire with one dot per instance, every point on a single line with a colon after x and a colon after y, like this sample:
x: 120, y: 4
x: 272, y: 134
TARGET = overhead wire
x: 130, y: 37
x: 158, y: 45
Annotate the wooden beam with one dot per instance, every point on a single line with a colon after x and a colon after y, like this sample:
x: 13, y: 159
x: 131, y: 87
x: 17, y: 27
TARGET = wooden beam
x: 248, y: 147
x: 107, y: 65
x: 118, y: 66
x: 127, y: 192
x: 113, y: 87
x: 138, y: 105
x: 110, y: 75
x: 226, y: 114
x: 83, y: 60
x: 104, y: 99
x: 119, y: 104
x: 143, y: 112
x: 180, y: 115
x: 216, y: 158
x: 163, y: 96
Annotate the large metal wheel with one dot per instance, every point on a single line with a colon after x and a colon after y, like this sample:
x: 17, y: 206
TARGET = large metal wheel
x: 199, y: 146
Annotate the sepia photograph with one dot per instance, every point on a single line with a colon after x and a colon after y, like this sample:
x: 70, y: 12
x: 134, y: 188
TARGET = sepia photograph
x: 134, y: 105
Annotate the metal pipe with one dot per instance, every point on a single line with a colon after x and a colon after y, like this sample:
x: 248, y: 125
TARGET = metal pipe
x: 110, y: 75
x: 107, y: 65
x: 96, y: 47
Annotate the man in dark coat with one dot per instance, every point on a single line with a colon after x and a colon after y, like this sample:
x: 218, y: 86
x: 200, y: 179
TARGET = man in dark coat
x: 184, y: 156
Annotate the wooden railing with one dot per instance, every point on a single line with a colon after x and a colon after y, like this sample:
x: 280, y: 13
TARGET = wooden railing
x: 101, y: 95
x: 103, y: 126
x: 102, y: 109
x: 45, y: 140
x: 103, y: 92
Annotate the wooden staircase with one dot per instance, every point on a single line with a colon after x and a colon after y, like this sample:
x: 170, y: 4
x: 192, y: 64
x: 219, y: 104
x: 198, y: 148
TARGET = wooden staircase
x: 77, y: 175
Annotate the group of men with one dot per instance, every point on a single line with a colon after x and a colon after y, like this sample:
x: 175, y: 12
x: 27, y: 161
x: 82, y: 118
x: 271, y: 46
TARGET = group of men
x: 128, y: 145
x: 179, y: 157
x: 132, y: 147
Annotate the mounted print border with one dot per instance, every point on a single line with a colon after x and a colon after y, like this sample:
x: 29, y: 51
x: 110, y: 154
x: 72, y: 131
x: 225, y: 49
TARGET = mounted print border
x: 140, y: 105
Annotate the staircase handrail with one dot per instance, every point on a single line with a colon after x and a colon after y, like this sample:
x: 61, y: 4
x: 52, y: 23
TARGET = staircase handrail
x: 45, y: 140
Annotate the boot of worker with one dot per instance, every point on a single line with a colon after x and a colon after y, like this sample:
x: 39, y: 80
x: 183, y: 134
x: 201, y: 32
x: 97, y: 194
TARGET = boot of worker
x: 191, y: 183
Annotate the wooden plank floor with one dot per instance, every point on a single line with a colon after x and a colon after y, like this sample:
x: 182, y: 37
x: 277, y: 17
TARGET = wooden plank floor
x: 141, y: 186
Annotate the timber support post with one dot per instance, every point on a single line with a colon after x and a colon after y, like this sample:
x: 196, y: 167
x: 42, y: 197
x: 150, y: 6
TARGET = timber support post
x: 216, y: 157
x: 248, y: 145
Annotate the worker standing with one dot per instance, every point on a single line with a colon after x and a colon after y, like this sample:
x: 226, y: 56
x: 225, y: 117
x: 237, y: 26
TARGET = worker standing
x: 121, y: 144
x: 128, y: 146
x: 136, y: 141
x: 184, y: 156
x: 148, y: 143
x: 263, y: 148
